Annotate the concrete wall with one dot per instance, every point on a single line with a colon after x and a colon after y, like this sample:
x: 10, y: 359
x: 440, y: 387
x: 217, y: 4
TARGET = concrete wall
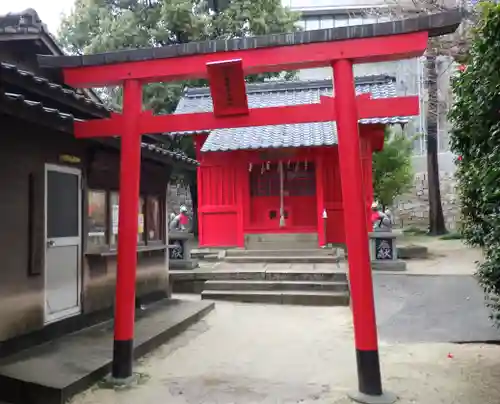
x: 24, y: 149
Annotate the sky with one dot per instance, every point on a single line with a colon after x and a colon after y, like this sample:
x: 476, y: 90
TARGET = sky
x: 49, y: 10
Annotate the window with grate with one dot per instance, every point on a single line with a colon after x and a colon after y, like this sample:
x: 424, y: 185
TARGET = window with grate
x: 299, y: 180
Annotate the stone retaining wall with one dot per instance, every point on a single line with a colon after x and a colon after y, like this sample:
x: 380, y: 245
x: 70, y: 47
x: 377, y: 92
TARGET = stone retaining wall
x: 177, y: 195
x: 412, y: 209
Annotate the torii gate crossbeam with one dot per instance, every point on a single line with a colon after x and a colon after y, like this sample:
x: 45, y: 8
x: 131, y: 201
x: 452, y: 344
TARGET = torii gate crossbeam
x: 339, y: 48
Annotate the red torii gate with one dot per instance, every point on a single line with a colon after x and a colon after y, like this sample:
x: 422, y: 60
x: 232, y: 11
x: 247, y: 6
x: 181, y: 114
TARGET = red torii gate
x: 225, y: 64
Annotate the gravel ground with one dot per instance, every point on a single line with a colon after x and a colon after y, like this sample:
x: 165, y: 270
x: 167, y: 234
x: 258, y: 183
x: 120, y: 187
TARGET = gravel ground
x: 291, y: 354
x: 242, y: 354
x: 446, y: 308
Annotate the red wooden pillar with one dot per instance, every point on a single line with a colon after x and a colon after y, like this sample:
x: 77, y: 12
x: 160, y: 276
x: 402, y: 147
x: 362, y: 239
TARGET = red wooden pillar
x: 367, y: 159
x: 241, y: 177
x: 130, y: 173
x: 360, y: 275
x: 320, y: 199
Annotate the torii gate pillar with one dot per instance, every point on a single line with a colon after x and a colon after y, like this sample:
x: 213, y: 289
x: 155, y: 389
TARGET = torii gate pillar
x: 360, y: 274
x: 130, y: 174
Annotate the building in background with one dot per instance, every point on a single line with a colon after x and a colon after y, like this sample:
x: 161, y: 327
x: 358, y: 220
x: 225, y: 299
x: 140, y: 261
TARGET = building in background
x: 58, y: 242
x: 410, y: 74
x: 279, y: 181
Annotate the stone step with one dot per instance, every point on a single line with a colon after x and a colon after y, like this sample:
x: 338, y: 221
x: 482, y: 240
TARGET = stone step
x: 269, y: 259
x: 292, y: 297
x: 242, y: 285
x: 281, y: 241
x: 194, y: 281
x: 282, y: 237
x: 269, y: 275
x: 282, y: 245
x: 51, y: 373
x: 281, y: 253
x: 206, y: 253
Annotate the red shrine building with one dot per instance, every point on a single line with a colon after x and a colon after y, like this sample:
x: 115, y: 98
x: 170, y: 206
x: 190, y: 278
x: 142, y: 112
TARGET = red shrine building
x: 282, y: 178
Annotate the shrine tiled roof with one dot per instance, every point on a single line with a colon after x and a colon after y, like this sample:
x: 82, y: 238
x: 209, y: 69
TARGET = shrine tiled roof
x: 281, y: 93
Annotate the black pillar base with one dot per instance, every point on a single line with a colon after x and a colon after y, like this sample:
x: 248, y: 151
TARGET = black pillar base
x: 123, y: 358
x: 369, y: 372
x: 370, y: 381
x: 384, y: 398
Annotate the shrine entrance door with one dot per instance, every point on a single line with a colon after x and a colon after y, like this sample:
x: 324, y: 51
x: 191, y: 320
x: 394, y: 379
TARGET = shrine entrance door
x: 297, y: 195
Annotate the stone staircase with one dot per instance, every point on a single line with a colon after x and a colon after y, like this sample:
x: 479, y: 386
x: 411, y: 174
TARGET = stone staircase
x: 295, y: 248
x: 297, y: 256
x: 281, y: 241
x: 311, y: 288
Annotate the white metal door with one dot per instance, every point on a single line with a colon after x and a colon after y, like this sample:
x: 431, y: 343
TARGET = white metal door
x: 63, y: 242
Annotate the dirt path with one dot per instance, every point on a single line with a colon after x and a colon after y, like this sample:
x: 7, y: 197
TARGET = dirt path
x: 447, y: 257
x: 262, y: 354
x: 286, y: 354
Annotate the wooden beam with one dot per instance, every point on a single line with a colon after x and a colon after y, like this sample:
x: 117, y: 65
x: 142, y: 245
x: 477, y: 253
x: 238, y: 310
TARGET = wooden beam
x: 207, y: 121
x: 259, y: 60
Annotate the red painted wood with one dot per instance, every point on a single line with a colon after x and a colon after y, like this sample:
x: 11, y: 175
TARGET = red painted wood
x: 366, y: 161
x: 320, y: 199
x: 219, y: 210
x: 198, y: 144
x: 221, y: 229
x: 360, y: 273
x: 242, y: 182
x: 199, y: 141
x: 130, y: 169
x: 253, y: 212
x: 299, y: 195
x: 227, y: 87
x: 261, y: 60
x: 377, y: 138
x: 335, y: 231
x: 199, y: 186
x: 302, y: 213
x: 285, y: 230
x: 319, y: 112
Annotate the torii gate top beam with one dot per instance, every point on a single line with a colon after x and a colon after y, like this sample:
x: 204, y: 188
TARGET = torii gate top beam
x: 364, y: 43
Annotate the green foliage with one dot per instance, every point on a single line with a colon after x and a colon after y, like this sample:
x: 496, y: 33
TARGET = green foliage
x: 452, y: 236
x: 414, y: 231
x: 96, y: 26
x: 392, y: 169
x: 475, y: 116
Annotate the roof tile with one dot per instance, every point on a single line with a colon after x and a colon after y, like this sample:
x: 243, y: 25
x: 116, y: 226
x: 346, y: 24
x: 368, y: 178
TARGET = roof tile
x: 279, y: 93
x: 7, y: 68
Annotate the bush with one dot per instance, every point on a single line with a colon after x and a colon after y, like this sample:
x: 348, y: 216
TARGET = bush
x: 392, y: 168
x: 415, y: 231
x: 452, y: 236
x: 475, y: 138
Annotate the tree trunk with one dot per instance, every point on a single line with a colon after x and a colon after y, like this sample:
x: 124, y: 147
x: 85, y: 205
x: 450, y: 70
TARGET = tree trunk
x: 436, y: 217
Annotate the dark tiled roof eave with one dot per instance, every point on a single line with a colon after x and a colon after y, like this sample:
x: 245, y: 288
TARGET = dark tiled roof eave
x: 64, y: 121
x: 21, y: 102
x: 272, y: 94
x: 49, y: 88
x: 436, y: 24
x: 173, y: 154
